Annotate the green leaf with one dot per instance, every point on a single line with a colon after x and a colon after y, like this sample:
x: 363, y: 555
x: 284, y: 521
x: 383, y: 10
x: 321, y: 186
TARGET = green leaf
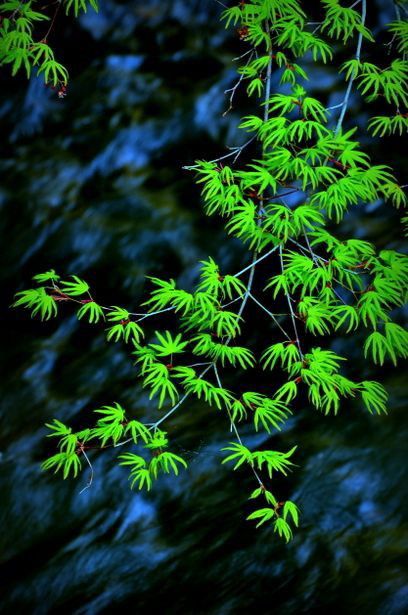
x: 286, y: 353
x: 238, y: 411
x: 371, y: 308
x: 138, y: 430
x: 92, y: 311
x: 166, y: 462
x: 346, y: 313
x: 290, y: 509
x: 283, y: 529
x: 127, y: 330
x: 374, y: 396
x: 255, y: 85
x: 54, y: 72
x: 240, y: 454
x: 306, y: 216
x: 167, y: 345
x: 225, y: 323
x: 68, y: 463
x: 117, y: 314
x: 115, y: 333
x: 231, y: 15
x: 48, y: 276
x: 38, y: 300
x: 159, y: 440
x: 156, y: 376
x: 270, y: 414
x: 139, y: 474
x: 397, y: 339
x: 400, y: 30
x: 130, y: 459
x: 269, y: 497
x: 274, y: 461
x: 222, y: 352
x: 264, y: 514
x: 287, y: 391
x: 251, y: 123
x: 76, y: 288
x: 112, y: 424
x: 79, y: 5
x: 141, y: 478
x: 58, y: 429
x: 379, y: 347
x: 232, y: 286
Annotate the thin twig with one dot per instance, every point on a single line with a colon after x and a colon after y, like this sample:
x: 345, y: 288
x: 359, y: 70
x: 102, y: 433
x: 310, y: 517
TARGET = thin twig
x: 234, y: 427
x: 252, y: 266
x: 335, y: 106
x: 242, y: 55
x: 316, y: 258
x: 255, y: 262
x: 199, y: 364
x: 271, y: 315
x: 221, y: 3
x: 292, y: 314
x: 44, y: 39
x: 280, y: 196
x: 352, y: 76
x: 235, y: 87
x: 235, y: 151
x: 224, y: 305
x: 90, y: 480
x: 172, y: 410
x: 314, y: 255
x: 148, y: 314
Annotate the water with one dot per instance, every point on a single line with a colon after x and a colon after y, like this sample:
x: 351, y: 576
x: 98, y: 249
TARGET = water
x: 94, y: 185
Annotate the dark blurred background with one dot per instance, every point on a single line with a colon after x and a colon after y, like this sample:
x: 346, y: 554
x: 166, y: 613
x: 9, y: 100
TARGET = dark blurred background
x: 93, y: 185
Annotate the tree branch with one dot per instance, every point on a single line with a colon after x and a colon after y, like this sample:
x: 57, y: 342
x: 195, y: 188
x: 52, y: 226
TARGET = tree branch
x: 352, y: 77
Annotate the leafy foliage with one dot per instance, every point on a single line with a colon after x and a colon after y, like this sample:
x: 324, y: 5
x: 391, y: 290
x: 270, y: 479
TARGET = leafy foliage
x: 20, y: 44
x: 329, y: 285
x: 39, y: 301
